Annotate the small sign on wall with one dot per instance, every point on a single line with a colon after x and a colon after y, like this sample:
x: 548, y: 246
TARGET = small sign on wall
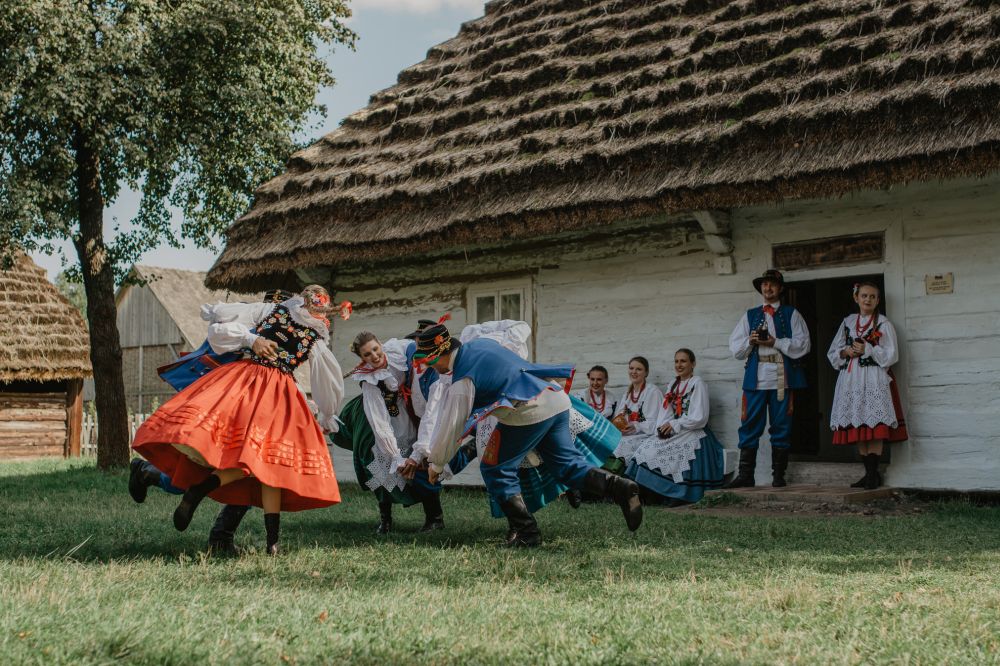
x: 940, y: 284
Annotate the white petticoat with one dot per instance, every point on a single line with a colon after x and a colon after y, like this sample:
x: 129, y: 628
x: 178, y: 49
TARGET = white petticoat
x: 863, y: 398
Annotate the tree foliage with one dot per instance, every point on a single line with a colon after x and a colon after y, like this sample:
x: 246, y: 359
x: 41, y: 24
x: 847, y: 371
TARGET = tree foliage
x: 193, y: 103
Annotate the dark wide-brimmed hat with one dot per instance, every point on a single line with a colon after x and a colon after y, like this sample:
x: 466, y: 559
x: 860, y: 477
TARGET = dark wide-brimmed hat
x: 422, y: 325
x: 770, y: 275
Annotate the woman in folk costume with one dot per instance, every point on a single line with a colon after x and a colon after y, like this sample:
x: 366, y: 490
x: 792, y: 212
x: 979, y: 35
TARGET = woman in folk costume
x: 596, y: 394
x: 683, y: 458
x: 244, y: 434
x: 866, y: 408
x: 380, y: 427
x: 533, y: 414
x: 636, y: 413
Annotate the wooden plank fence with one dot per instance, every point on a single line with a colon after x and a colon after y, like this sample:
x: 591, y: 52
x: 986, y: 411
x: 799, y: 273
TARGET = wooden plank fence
x: 88, y: 437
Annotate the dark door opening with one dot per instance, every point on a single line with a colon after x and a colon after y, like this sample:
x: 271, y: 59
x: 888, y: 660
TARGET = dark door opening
x: 823, y: 304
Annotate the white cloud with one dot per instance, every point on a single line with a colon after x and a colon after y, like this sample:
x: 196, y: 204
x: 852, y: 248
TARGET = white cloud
x: 417, y: 6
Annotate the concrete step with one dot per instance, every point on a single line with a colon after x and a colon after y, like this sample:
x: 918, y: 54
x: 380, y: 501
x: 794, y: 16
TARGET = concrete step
x: 809, y: 494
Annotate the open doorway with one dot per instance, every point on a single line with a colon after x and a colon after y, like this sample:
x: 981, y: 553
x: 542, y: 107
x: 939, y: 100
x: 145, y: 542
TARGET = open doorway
x: 823, y: 304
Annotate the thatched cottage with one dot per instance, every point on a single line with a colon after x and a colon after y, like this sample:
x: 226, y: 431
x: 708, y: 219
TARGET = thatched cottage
x: 617, y: 172
x: 44, y: 356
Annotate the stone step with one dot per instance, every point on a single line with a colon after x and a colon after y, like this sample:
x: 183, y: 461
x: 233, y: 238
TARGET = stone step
x: 810, y: 494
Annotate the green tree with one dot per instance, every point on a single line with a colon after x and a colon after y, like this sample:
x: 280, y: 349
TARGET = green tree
x: 190, y: 102
x: 72, y: 289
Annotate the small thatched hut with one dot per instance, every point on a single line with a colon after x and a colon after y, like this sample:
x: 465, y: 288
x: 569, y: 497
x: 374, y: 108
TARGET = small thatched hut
x: 44, y: 356
x: 617, y: 171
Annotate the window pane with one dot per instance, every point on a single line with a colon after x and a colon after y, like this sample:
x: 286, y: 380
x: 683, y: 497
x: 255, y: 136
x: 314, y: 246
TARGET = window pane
x: 485, y: 308
x: 510, y: 306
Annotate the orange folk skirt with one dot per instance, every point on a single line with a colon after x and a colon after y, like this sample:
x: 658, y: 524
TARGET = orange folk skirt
x: 248, y: 416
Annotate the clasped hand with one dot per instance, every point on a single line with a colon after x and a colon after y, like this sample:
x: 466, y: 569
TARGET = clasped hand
x: 409, y: 469
x: 265, y: 348
x: 755, y: 340
x: 665, y: 430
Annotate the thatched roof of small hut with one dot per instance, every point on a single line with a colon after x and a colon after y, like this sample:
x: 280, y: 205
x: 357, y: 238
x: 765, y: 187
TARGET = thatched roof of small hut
x: 549, y: 115
x: 43, y: 337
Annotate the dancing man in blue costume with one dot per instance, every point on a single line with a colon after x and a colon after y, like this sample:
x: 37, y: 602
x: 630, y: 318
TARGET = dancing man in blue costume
x: 533, y: 413
x: 771, y: 338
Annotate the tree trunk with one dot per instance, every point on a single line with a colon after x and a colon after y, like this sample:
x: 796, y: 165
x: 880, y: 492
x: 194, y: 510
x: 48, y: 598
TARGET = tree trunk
x: 99, y: 283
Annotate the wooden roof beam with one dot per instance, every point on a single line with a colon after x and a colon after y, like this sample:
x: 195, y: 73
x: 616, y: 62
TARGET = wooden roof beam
x: 718, y: 237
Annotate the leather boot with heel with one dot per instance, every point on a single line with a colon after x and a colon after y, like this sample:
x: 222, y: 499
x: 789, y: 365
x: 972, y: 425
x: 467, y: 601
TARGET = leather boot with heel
x: 222, y: 537
x: 745, y: 473
x: 623, y: 492
x: 522, y: 530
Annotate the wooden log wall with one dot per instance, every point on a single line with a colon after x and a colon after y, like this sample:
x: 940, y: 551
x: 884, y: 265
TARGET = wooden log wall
x: 33, y: 425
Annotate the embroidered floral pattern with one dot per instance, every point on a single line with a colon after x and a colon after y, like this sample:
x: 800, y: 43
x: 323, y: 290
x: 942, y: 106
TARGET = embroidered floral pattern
x: 294, y: 340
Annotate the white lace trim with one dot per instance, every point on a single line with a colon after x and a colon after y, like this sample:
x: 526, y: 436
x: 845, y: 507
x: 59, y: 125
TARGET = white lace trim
x: 578, y: 422
x: 627, y: 446
x: 670, y: 457
x: 863, y: 398
x: 383, y: 476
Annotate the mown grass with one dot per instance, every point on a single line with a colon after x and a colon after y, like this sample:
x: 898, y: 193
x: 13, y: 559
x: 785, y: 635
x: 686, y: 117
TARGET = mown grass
x: 89, y: 577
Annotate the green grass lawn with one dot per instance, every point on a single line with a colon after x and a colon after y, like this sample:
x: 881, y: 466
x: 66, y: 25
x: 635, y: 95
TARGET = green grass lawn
x: 87, y: 576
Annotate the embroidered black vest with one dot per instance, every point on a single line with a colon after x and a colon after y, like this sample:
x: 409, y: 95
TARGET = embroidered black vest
x: 294, y: 340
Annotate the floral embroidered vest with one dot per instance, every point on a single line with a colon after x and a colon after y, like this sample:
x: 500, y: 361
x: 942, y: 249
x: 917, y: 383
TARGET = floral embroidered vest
x: 294, y: 340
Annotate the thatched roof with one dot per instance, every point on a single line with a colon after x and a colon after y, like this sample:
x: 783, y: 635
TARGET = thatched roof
x: 181, y: 294
x: 548, y: 115
x: 43, y: 337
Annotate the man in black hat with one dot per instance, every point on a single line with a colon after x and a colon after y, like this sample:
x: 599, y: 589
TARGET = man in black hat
x: 533, y: 413
x: 770, y: 338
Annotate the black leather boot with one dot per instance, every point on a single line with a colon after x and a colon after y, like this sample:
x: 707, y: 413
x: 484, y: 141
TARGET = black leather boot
x: 384, y: 517
x: 623, y: 492
x: 574, y: 498
x: 191, y: 499
x: 872, y: 478
x: 141, y: 476
x: 860, y: 483
x: 745, y: 474
x: 222, y: 537
x: 523, y: 532
x: 779, y: 463
x: 433, y: 513
x: 272, y: 524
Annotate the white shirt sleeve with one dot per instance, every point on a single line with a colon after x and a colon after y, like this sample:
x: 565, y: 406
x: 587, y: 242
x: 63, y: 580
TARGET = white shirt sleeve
x: 652, y: 404
x: 326, y: 381
x: 799, y: 344
x: 836, y: 346
x: 432, y: 412
x: 378, y: 418
x: 739, y: 340
x: 230, y: 324
x: 697, y: 415
x: 886, y: 352
x: 450, y: 425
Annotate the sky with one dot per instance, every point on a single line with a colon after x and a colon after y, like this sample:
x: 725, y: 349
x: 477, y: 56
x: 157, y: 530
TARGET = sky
x: 392, y: 35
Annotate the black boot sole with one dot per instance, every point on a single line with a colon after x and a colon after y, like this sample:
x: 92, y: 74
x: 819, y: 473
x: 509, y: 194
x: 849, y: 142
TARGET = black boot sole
x: 136, y: 486
x: 184, y: 513
x: 432, y: 525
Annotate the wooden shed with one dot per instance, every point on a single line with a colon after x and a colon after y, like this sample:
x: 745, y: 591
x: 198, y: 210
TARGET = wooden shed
x: 44, y: 356
x: 159, y: 320
x: 617, y: 171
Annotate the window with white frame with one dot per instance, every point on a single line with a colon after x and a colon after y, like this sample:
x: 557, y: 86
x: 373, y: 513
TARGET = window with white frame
x: 510, y: 299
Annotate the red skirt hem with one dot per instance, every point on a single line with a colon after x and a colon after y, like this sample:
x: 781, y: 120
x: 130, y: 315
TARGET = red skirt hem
x: 243, y: 416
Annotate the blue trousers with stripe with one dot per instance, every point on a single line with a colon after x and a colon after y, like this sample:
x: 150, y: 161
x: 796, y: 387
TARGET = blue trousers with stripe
x: 760, y: 407
x: 553, y: 440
